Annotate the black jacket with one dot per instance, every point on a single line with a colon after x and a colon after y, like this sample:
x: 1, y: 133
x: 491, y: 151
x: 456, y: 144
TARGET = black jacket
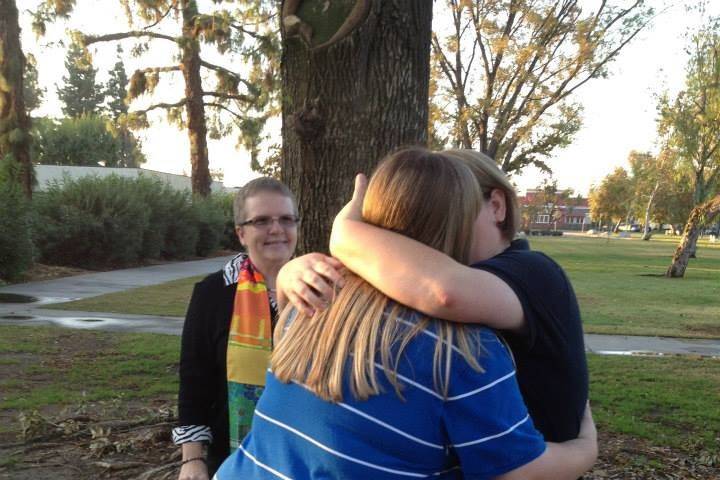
x: 202, y: 399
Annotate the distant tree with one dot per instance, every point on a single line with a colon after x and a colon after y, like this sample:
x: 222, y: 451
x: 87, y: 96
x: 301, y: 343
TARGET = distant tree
x: 647, y: 173
x: 691, y: 125
x: 611, y: 201
x: 116, y: 89
x: 90, y: 140
x: 245, y: 95
x: 15, y: 140
x: 510, y: 67
x: 674, y: 198
x: 32, y: 92
x: 79, y: 92
x: 546, y: 200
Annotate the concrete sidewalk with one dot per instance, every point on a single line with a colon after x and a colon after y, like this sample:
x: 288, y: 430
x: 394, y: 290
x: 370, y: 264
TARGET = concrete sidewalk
x: 93, y: 284
x: 630, y: 344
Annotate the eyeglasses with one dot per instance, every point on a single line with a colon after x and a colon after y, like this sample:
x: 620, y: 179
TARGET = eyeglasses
x: 285, y: 221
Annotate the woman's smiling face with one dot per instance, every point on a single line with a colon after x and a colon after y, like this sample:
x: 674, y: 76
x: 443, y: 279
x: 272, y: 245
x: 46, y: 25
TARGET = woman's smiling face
x: 274, y: 243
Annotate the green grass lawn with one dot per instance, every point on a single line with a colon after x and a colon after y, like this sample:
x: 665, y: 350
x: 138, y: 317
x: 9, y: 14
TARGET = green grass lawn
x: 669, y: 401
x: 167, y: 299
x: 621, y: 287
x: 618, y: 282
x: 44, y: 366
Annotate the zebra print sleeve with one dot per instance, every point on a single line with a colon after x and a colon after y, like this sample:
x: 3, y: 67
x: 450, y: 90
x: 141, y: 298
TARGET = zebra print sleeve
x: 191, y: 433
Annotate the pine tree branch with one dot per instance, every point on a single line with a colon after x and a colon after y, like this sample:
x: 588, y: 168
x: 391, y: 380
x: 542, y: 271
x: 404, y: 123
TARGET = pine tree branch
x: 218, y: 68
x: 166, y: 106
x: 230, y: 96
x: 162, y: 16
x: 223, y: 107
x: 255, y: 35
x: 90, y: 39
x: 171, y: 68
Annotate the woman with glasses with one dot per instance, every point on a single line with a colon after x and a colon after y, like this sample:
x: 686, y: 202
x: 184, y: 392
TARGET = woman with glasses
x: 227, y: 336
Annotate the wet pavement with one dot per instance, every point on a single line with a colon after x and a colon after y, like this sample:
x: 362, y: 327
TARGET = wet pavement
x: 92, y: 284
x: 110, y: 322
x: 636, y: 345
x: 22, y: 304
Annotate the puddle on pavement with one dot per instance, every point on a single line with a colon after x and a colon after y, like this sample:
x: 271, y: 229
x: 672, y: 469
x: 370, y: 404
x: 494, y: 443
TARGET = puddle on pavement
x: 16, y: 298
x: 629, y: 353
x: 707, y: 353
x: 69, y: 322
x: 83, y: 322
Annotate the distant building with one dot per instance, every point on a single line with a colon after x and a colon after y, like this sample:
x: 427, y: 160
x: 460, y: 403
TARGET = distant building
x: 47, y: 174
x: 558, y: 213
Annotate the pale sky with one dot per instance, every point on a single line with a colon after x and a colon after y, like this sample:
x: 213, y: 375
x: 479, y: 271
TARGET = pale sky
x: 619, y: 113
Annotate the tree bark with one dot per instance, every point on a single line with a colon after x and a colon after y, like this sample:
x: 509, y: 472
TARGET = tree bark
x: 700, y: 215
x: 348, y: 105
x: 194, y: 107
x: 14, y: 121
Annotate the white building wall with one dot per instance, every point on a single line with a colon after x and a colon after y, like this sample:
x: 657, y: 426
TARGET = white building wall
x: 46, y: 174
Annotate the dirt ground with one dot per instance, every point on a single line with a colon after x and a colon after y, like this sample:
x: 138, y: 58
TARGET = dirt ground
x: 97, y: 443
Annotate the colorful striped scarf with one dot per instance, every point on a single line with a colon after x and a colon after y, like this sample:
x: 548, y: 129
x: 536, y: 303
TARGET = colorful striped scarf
x: 248, y: 352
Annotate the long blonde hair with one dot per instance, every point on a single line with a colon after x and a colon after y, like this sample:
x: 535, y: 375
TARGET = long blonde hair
x: 430, y: 197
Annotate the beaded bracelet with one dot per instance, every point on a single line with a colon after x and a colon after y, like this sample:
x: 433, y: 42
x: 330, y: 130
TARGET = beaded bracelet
x: 202, y: 459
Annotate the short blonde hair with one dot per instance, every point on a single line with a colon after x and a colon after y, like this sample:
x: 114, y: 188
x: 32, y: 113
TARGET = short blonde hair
x: 489, y: 176
x: 252, y: 188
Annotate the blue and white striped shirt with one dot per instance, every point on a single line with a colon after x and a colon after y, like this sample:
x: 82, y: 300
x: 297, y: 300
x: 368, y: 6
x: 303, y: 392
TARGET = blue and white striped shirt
x: 482, y: 429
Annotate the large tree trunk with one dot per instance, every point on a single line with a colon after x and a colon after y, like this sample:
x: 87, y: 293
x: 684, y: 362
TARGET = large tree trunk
x: 14, y: 121
x: 699, y: 215
x: 347, y: 105
x: 194, y: 107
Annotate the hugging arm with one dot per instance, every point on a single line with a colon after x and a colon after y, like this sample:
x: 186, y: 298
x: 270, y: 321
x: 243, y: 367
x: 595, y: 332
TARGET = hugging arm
x: 403, y: 269
x: 424, y: 278
x: 566, y: 460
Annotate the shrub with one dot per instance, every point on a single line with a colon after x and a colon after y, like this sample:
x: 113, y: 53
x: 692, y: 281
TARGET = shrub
x: 91, y: 222
x: 228, y: 240
x: 211, y: 221
x: 115, y: 221
x: 181, y: 232
x: 16, y: 247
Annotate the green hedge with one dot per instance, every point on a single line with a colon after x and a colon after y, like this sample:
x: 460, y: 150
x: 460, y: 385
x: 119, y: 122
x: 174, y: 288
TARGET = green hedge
x: 113, y: 221
x: 16, y: 222
x: 16, y: 247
